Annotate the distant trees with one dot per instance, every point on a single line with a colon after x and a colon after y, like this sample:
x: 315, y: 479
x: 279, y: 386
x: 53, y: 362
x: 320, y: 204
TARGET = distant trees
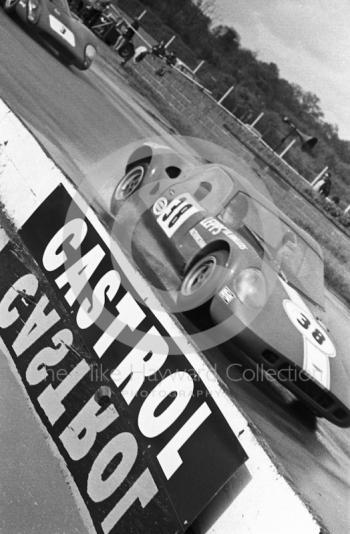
x: 309, y: 103
x: 226, y: 39
x: 258, y: 85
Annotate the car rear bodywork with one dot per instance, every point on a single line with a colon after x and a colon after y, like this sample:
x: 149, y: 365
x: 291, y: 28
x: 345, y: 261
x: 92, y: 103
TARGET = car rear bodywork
x: 60, y: 29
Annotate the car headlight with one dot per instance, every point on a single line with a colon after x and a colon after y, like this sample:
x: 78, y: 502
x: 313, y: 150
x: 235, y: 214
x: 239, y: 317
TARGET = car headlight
x: 250, y: 287
x: 33, y: 10
x: 90, y: 52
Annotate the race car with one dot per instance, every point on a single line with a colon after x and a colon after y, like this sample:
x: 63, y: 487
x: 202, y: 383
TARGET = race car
x: 211, y: 243
x: 61, y: 30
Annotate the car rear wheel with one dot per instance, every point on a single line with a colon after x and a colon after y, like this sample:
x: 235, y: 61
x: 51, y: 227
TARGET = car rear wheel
x: 130, y: 183
x: 10, y: 5
x: 202, y: 280
x: 85, y: 65
x: 69, y: 60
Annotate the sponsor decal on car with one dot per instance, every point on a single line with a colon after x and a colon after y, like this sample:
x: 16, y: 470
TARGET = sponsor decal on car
x: 197, y: 237
x: 159, y: 206
x: 140, y: 460
x: 177, y: 212
x: 309, y: 328
x: 62, y: 30
x: 227, y: 295
x: 318, y: 347
x: 215, y: 227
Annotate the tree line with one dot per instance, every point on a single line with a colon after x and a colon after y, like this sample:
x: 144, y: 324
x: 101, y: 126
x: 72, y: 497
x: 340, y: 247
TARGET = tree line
x: 258, y: 85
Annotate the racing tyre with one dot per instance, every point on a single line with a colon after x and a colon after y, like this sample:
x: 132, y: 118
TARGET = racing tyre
x: 126, y: 51
x: 202, y: 280
x: 84, y: 66
x: 130, y: 183
x: 10, y: 6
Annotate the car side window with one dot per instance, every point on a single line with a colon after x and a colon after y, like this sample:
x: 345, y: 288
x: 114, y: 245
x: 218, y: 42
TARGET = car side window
x: 234, y: 214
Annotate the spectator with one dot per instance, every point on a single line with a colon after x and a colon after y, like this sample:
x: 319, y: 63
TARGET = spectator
x: 171, y: 59
x: 335, y: 199
x: 130, y: 32
x: 76, y: 6
x: 159, y: 49
x: 127, y: 32
x: 140, y: 53
x: 93, y: 13
x: 325, y: 188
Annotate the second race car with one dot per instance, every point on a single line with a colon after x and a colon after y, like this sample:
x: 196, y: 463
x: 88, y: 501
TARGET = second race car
x: 60, y: 28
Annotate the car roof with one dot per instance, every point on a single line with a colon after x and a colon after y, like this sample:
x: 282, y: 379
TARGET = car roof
x: 237, y: 183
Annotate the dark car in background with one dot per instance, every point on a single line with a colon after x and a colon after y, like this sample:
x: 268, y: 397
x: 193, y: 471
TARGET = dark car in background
x: 53, y: 20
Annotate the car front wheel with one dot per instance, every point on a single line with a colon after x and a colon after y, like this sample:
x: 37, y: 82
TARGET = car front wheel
x: 10, y: 6
x: 128, y: 185
x: 202, y: 280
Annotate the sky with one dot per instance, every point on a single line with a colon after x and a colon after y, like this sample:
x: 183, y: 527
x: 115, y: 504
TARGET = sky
x: 309, y: 40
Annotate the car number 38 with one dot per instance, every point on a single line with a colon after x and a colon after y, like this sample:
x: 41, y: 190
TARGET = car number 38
x: 309, y: 328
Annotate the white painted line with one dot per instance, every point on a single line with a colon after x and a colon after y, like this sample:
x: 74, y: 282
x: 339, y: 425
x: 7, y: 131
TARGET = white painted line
x: 27, y: 176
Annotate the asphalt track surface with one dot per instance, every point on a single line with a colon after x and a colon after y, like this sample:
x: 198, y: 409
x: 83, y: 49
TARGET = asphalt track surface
x: 82, y: 120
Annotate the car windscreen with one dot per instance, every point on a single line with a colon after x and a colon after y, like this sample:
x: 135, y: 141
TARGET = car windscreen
x: 210, y: 186
x: 288, y: 251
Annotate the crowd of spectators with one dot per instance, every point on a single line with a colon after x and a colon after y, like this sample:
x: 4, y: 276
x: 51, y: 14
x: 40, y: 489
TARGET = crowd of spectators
x: 119, y: 33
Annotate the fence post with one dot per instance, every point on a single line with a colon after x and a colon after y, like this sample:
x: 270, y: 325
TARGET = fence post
x: 170, y: 41
x: 142, y: 14
x: 319, y: 176
x: 257, y: 119
x: 198, y: 67
x: 226, y: 94
x: 287, y: 148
